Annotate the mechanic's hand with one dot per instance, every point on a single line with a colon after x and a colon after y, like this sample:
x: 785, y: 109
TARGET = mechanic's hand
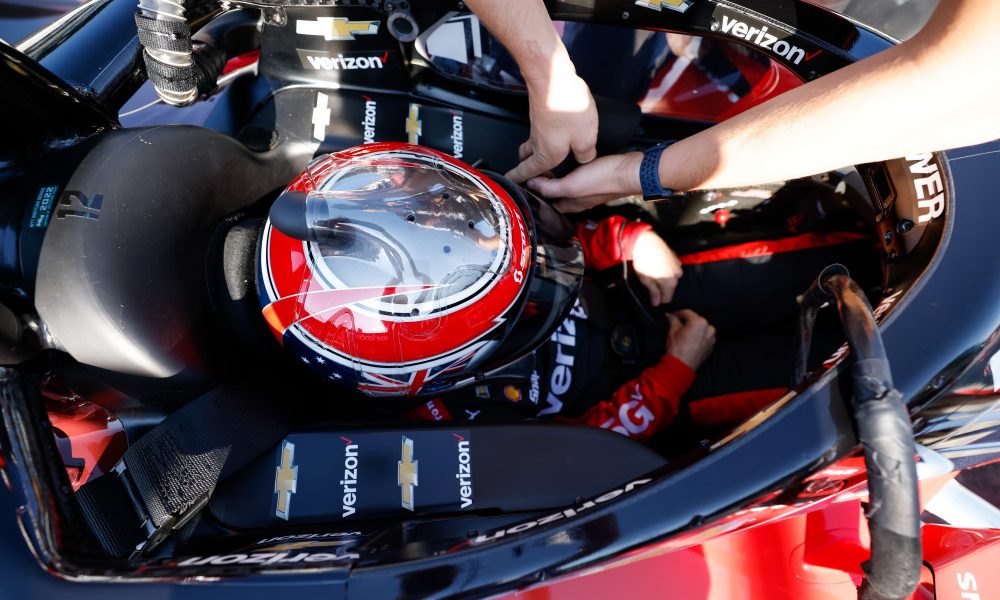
x: 606, y: 178
x: 657, y: 266
x: 691, y: 338
x: 563, y: 120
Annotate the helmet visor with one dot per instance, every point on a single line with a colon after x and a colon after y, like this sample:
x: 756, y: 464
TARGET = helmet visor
x: 406, y: 225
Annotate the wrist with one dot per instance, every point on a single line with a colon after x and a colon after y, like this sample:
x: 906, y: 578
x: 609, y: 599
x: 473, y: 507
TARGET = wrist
x: 676, y: 373
x: 632, y: 233
x: 544, y: 62
x: 649, y: 173
x: 668, y: 170
x: 628, y: 182
x: 673, y: 359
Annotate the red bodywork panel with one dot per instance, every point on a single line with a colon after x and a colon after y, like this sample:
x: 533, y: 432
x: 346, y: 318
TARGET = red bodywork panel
x: 690, y: 89
x: 90, y: 438
x: 964, y: 561
x: 808, y: 551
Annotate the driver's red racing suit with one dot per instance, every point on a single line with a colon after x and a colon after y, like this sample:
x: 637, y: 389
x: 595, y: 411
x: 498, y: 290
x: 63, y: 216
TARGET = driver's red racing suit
x: 606, y: 365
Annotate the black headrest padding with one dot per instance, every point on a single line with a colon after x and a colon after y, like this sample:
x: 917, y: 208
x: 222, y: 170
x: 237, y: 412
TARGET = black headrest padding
x: 233, y: 275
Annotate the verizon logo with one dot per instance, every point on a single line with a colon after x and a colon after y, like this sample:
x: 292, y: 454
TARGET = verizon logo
x: 321, y: 61
x: 562, y: 375
x: 350, y: 480
x: 457, y: 135
x: 464, y: 475
x: 368, y: 123
x: 760, y: 37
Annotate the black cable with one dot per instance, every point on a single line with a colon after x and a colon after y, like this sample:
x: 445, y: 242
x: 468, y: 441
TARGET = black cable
x: 628, y: 286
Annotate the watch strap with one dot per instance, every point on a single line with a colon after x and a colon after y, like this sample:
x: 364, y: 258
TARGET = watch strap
x: 649, y: 173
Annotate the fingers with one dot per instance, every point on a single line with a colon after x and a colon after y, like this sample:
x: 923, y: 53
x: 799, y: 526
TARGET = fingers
x: 536, y: 159
x: 686, y: 315
x: 676, y: 265
x: 653, y: 287
x: 654, y: 294
x: 661, y: 289
x: 546, y: 186
x: 529, y: 167
x: 673, y: 322
x: 709, y: 340
x: 570, y: 186
x: 586, y: 154
x: 588, y: 180
x: 585, y: 187
x: 525, y: 150
x: 667, y: 287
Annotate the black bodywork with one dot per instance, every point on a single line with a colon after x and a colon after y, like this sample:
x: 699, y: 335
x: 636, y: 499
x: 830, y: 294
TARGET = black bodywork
x: 939, y: 312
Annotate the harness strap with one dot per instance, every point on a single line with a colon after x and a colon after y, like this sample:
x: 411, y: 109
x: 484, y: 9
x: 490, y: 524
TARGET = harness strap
x: 167, y: 476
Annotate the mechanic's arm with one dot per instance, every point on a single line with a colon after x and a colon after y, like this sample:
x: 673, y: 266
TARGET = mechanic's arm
x: 932, y: 92
x: 614, y: 240
x: 563, y: 114
x: 650, y: 402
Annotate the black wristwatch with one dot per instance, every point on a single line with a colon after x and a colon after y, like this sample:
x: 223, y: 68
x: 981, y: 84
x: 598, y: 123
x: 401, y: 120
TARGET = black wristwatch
x: 649, y: 174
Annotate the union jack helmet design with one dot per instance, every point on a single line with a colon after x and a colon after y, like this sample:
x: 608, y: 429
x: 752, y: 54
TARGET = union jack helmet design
x: 394, y: 270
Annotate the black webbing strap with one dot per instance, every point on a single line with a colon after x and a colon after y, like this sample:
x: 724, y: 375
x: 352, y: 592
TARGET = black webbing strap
x: 164, y: 30
x: 167, y: 476
x: 170, y: 78
x: 164, y: 41
x: 169, y: 36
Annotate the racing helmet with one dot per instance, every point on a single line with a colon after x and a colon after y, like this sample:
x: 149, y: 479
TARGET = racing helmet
x: 396, y: 270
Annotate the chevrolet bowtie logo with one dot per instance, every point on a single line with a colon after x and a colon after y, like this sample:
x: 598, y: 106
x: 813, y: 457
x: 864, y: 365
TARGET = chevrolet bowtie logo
x: 414, y: 128
x: 336, y: 28
x: 321, y: 116
x: 678, y: 5
x: 407, y: 473
x: 286, y: 477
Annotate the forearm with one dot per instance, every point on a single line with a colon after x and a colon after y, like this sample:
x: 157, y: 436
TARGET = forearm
x: 645, y: 404
x: 924, y: 95
x: 527, y: 32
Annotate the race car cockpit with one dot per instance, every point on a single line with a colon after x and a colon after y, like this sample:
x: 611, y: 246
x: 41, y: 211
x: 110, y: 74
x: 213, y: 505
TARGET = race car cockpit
x: 183, y: 408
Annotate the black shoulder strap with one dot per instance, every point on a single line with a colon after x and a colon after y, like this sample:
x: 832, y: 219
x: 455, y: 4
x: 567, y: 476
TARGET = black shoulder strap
x: 167, y: 476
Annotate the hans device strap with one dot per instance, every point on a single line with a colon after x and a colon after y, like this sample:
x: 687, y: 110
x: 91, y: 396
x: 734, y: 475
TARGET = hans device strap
x: 649, y: 173
x: 168, y: 475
